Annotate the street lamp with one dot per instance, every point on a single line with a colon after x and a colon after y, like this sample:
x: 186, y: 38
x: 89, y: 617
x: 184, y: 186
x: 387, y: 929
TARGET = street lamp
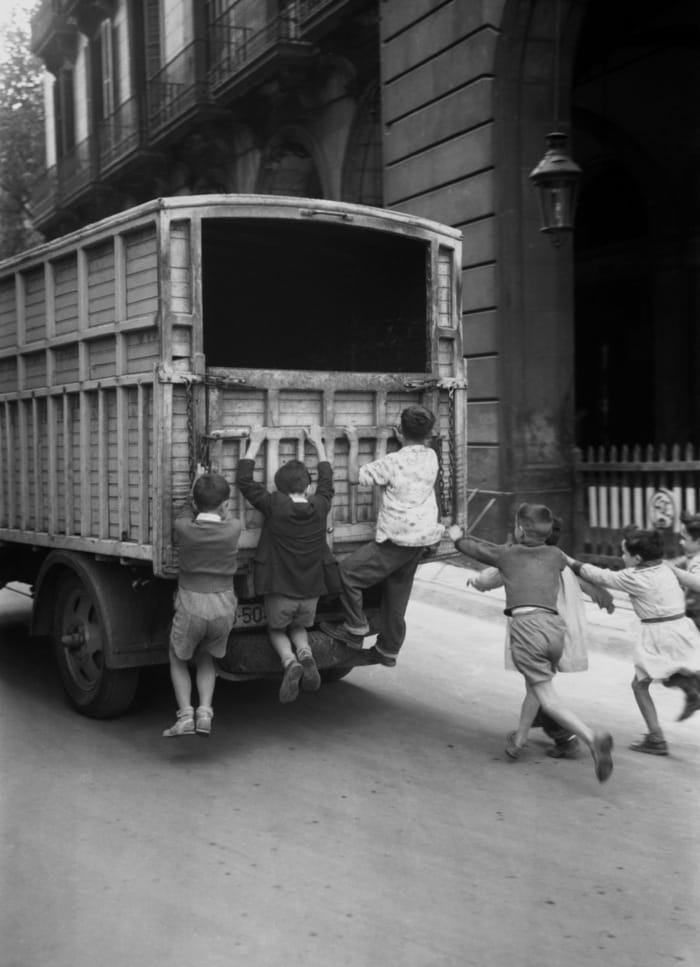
x: 556, y: 180
x: 556, y: 177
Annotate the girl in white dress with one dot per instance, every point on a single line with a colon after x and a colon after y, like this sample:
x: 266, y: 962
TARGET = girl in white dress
x: 668, y: 647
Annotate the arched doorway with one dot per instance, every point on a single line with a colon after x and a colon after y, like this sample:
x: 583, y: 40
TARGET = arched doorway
x: 636, y: 136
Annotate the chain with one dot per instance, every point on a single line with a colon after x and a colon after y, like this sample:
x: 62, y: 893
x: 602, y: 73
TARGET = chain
x: 452, y: 448
x: 191, y: 439
x: 446, y: 473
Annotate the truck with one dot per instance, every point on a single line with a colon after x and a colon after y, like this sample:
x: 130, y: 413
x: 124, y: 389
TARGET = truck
x: 141, y: 348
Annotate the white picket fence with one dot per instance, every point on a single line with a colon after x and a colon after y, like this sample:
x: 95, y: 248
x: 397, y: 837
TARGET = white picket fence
x: 648, y: 486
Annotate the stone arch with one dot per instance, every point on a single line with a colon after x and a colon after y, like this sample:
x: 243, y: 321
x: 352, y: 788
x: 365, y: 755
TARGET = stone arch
x: 362, y: 169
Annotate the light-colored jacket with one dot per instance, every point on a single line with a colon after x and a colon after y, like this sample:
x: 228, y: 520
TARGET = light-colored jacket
x: 408, y: 514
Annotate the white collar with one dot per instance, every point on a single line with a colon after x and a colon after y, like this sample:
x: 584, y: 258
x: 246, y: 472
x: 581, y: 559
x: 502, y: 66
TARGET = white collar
x: 204, y: 515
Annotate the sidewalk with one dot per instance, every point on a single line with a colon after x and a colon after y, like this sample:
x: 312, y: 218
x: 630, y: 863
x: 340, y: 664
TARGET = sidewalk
x: 443, y: 583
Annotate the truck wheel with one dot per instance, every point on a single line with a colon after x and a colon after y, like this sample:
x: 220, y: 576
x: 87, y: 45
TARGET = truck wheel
x: 330, y: 675
x: 80, y: 638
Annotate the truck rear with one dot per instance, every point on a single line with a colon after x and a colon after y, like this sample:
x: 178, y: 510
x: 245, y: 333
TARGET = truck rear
x: 143, y: 347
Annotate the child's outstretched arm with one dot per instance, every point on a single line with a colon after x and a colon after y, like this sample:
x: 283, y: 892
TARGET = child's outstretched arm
x: 324, y: 487
x: 315, y: 436
x: 604, y: 577
x: 254, y: 492
x: 255, y: 442
x: 601, y: 596
x: 486, y: 580
x: 480, y: 551
x: 686, y: 579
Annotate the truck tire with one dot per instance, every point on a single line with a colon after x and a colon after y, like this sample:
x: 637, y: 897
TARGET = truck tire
x: 79, y: 639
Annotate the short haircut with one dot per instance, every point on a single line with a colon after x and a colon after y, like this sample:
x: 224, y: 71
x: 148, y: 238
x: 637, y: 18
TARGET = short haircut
x: 417, y: 422
x: 691, y: 522
x: 553, y: 538
x: 210, y: 491
x: 292, y: 478
x: 535, y: 520
x: 647, y: 544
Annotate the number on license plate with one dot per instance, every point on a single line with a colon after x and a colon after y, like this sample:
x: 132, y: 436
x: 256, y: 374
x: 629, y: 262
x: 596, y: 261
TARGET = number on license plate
x: 250, y: 616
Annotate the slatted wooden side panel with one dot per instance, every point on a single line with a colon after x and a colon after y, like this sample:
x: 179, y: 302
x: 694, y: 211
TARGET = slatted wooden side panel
x: 101, y: 284
x: 77, y: 435
x: 8, y: 314
x: 65, y: 274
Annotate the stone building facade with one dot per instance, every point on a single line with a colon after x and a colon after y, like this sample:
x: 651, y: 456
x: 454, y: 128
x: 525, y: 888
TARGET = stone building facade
x: 438, y: 108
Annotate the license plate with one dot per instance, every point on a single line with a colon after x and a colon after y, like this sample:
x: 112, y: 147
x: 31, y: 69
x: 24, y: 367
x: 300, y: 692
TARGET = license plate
x: 250, y: 616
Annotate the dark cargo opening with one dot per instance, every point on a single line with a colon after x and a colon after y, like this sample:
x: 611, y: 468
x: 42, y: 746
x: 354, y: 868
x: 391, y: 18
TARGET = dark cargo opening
x: 283, y: 294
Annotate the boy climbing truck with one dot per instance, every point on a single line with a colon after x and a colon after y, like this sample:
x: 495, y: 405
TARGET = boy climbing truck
x: 141, y: 348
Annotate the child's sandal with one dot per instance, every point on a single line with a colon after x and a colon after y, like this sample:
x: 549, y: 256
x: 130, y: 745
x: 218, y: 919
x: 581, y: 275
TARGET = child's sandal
x: 204, y: 716
x: 184, y: 724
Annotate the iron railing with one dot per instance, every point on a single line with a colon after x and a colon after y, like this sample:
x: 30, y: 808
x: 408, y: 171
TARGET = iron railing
x: 178, y: 87
x: 119, y: 135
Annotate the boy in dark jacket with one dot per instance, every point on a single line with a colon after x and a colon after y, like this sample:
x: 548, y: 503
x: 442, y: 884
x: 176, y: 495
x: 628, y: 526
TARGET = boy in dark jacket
x: 289, y: 560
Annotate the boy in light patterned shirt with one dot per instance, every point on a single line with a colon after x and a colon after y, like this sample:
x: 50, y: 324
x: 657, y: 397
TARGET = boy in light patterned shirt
x: 407, y: 524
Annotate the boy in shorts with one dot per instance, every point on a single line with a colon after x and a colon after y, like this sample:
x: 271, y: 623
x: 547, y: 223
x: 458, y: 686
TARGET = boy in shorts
x: 531, y: 570
x: 289, y: 567
x: 205, y: 604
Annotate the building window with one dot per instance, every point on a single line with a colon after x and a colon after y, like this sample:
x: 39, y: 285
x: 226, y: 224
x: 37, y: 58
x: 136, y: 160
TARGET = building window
x: 64, y: 111
x: 105, y: 79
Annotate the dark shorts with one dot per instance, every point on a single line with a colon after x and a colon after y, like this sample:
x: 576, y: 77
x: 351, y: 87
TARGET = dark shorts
x: 536, y: 644
x: 283, y: 612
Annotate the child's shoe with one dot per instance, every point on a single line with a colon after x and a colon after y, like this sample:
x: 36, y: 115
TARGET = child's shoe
x: 373, y: 656
x: 342, y: 633
x: 602, y: 758
x: 512, y: 749
x: 310, y: 678
x: 692, y: 705
x: 203, y: 720
x: 651, y: 744
x: 184, y: 724
x: 564, y: 749
x: 289, y: 689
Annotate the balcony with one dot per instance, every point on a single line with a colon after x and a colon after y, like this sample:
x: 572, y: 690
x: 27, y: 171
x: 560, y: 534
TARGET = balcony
x: 242, y: 57
x: 317, y: 17
x: 54, y: 34
x: 70, y: 180
x: 120, y: 137
x: 179, y: 92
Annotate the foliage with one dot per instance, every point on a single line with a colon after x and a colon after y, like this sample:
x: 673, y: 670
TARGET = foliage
x: 21, y: 134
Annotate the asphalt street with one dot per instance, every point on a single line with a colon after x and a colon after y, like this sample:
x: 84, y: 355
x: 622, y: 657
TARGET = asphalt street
x: 374, y: 822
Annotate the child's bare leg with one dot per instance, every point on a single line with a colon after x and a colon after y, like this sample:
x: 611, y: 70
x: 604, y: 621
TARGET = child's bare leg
x: 182, y: 682
x: 552, y: 704
x: 300, y: 639
x: 600, y: 743
x: 646, y: 706
x: 206, y: 679
x: 528, y: 711
x: 311, y: 680
x: 282, y: 644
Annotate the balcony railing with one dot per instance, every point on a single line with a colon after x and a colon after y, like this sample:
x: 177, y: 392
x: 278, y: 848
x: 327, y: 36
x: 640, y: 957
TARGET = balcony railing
x: 318, y: 17
x: 235, y: 49
x: 61, y: 184
x: 120, y: 135
x: 178, y: 88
